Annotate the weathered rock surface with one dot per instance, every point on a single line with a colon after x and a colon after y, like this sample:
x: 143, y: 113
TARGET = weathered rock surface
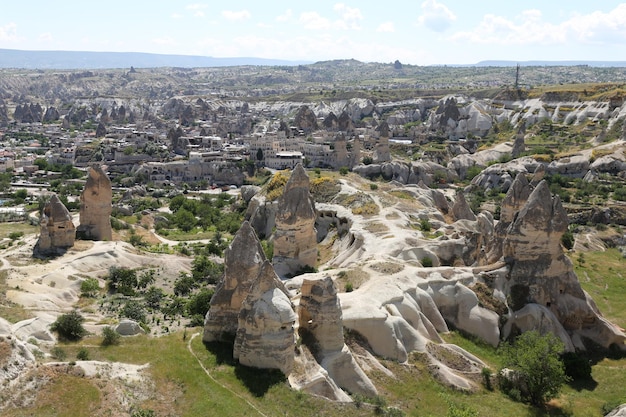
x: 95, y: 207
x: 295, y: 238
x: 128, y: 327
x: 618, y: 412
x: 461, y: 210
x: 242, y: 263
x: 320, y: 316
x: 540, y: 273
x: 265, y: 334
x: 57, y: 229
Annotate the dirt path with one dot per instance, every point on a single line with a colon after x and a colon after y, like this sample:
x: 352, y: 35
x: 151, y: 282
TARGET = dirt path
x: 206, y: 371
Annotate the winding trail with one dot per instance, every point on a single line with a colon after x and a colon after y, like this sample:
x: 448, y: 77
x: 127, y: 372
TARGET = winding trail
x: 206, y: 371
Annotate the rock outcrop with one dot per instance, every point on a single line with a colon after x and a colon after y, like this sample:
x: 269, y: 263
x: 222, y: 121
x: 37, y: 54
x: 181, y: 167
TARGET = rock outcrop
x: 95, y: 207
x: 295, y: 238
x: 242, y: 264
x: 265, y: 334
x: 321, y: 324
x: 57, y: 229
x: 540, y: 273
x: 460, y: 209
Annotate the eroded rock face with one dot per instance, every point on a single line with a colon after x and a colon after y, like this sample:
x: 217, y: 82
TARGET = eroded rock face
x: 540, y: 273
x: 460, y: 209
x: 319, y: 314
x: 57, y: 229
x: 95, y: 207
x: 295, y: 239
x: 242, y: 263
x: 265, y: 334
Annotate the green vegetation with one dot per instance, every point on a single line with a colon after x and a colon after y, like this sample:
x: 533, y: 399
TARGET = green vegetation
x: 110, y: 337
x: 538, y: 371
x: 69, y: 326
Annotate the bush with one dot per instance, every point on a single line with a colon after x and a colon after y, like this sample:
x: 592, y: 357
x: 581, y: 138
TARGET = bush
x: 89, y: 287
x: 536, y: 359
x: 567, y: 240
x: 110, y: 337
x: 82, y: 355
x: 343, y: 170
x: 58, y: 353
x: 69, y: 326
x: 426, y: 262
x: 373, y: 186
x: 349, y: 287
x: 425, y: 225
x: 15, y: 235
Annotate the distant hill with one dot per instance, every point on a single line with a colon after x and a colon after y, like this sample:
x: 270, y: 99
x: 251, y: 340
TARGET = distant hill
x: 13, y: 58
x: 549, y: 63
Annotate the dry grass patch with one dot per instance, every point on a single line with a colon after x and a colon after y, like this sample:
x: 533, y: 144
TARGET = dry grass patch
x: 376, y: 228
x: 388, y: 268
x: 351, y: 278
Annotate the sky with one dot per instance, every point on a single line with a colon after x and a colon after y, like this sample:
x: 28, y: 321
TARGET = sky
x: 428, y: 32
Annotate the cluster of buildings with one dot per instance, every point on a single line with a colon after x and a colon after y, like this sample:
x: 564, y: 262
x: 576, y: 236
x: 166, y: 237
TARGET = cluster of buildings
x: 198, y: 155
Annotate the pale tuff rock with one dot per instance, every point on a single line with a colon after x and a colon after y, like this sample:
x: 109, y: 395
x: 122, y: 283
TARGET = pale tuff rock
x: 295, y: 238
x: 515, y: 198
x: 95, y: 207
x: 265, y: 333
x: 320, y: 316
x: 460, y: 209
x: 242, y: 263
x: 57, y: 229
x: 540, y: 273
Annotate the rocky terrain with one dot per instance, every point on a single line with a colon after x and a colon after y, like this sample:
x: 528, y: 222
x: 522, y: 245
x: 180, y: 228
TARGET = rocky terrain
x: 458, y: 225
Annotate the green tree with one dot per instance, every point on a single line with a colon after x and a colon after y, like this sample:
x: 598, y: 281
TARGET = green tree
x: 69, y: 326
x: 536, y: 359
x: 259, y: 154
x: 122, y: 280
x: 185, y: 220
x: 199, y: 303
x: 134, y: 311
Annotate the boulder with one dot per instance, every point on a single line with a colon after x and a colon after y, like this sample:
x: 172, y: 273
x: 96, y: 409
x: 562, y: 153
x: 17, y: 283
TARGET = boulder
x: 57, y: 229
x: 95, y: 207
x: 295, y: 238
x: 128, y: 327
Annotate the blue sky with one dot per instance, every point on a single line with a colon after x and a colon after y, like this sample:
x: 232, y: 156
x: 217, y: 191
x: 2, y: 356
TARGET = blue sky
x: 422, y: 32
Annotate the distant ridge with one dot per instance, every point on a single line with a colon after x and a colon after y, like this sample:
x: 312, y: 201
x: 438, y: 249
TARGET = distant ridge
x: 549, y: 63
x: 13, y: 58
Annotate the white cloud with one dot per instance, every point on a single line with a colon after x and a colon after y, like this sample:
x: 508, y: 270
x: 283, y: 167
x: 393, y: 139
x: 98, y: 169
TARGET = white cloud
x: 386, y: 27
x: 8, y: 32
x: 176, y: 16
x: 436, y: 16
x: 531, y: 28
x: 198, y: 13
x: 313, y: 20
x: 285, y: 17
x: 350, y: 17
x: 236, y: 15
